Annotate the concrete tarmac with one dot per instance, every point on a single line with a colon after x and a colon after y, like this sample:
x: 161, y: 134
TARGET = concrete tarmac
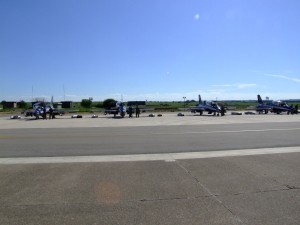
x: 167, y: 119
x: 262, y: 188
x: 79, y: 141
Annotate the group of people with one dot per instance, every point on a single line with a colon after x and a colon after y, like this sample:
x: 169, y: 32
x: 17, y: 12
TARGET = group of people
x: 44, y: 114
x: 131, y: 111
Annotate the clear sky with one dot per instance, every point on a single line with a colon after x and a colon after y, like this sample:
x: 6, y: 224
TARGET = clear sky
x: 149, y: 49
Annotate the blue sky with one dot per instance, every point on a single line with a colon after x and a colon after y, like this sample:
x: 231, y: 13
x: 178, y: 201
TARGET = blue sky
x: 150, y: 49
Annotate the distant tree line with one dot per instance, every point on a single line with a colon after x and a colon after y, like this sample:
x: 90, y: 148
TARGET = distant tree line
x: 22, y: 105
x: 107, y: 104
x: 86, y: 103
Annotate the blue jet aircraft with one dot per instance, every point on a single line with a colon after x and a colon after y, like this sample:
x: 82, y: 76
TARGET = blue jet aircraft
x: 262, y: 107
x: 39, y: 107
x: 120, y: 108
x: 274, y: 107
x: 210, y: 106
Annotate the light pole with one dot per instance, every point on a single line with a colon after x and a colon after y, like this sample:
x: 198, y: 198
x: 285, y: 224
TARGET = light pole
x: 184, y: 102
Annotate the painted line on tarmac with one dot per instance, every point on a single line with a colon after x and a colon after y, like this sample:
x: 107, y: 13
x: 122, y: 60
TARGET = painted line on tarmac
x: 147, y: 134
x: 6, y: 137
x: 168, y: 157
x: 230, y: 131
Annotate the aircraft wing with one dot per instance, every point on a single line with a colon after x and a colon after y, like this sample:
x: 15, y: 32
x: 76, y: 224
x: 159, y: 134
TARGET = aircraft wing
x: 111, y: 111
x: 197, y: 109
x: 58, y: 112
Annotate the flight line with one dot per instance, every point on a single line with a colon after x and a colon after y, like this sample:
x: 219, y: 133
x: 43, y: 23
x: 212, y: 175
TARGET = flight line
x: 226, y: 170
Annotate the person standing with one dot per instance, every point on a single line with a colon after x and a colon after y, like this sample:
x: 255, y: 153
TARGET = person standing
x: 137, y: 112
x: 50, y: 113
x: 130, y: 111
x: 44, y: 113
x: 223, y: 110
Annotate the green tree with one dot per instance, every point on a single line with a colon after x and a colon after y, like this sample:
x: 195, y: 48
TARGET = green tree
x: 99, y: 105
x: 22, y: 104
x: 86, y: 103
x: 109, y: 103
x: 3, y: 104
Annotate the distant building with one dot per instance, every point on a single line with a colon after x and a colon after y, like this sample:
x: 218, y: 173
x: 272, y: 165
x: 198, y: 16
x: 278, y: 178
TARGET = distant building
x: 9, y: 105
x: 134, y: 103
x: 67, y: 104
x: 57, y: 105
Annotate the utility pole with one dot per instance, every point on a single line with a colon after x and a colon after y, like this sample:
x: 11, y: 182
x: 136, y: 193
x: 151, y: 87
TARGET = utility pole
x: 64, y: 93
x: 184, y: 101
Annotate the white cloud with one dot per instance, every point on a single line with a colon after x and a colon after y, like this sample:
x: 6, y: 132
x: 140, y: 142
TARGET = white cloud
x: 222, y: 85
x: 235, y: 91
x: 197, y: 17
x: 297, y: 80
x: 224, y: 93
x: 238, y: 86
x: 242, y: 86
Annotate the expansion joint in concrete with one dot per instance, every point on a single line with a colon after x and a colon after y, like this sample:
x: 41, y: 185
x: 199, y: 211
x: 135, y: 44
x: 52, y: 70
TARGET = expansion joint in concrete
x: 215, y: 197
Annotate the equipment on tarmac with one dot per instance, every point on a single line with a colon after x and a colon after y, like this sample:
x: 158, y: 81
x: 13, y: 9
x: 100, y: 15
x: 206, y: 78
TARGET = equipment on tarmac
x: 76, y: 116
x: 15, y: 117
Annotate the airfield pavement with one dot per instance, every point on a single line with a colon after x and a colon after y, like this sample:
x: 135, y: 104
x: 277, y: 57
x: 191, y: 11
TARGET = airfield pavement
x: 167, y: 119
x: 229, y: 170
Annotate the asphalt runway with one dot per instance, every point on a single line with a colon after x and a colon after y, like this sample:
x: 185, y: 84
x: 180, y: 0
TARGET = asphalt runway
x: 227, y: 170
x: 87, y: 141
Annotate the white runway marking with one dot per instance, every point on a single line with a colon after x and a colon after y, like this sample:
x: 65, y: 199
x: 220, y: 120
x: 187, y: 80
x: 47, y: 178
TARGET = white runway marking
x: 231, y: 131
x: 168, y: 157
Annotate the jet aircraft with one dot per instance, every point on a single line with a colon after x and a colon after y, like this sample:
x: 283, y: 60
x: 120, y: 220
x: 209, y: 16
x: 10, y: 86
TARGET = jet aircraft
x: 120, y: 108
x: 39, y: 107
x: 274, y: 107
x: 211, y: 107
x: 262, y: 107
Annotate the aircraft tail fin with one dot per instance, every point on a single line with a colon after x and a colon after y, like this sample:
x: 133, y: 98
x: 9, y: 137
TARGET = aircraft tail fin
x: 199, y: 97
x: 52, y: 102
x: 260, y: 101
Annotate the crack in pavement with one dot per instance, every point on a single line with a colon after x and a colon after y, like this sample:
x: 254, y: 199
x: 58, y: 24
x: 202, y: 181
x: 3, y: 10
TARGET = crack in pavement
x: 144, y: 200
x: 215, y: 197
x: 291, y: 187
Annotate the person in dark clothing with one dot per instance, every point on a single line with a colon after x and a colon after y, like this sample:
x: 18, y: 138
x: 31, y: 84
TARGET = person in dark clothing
x: 130, y: 111
x: 223, y: 110
x: 44, y: 113
x: 137, y: 112
x: 50, y: 113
